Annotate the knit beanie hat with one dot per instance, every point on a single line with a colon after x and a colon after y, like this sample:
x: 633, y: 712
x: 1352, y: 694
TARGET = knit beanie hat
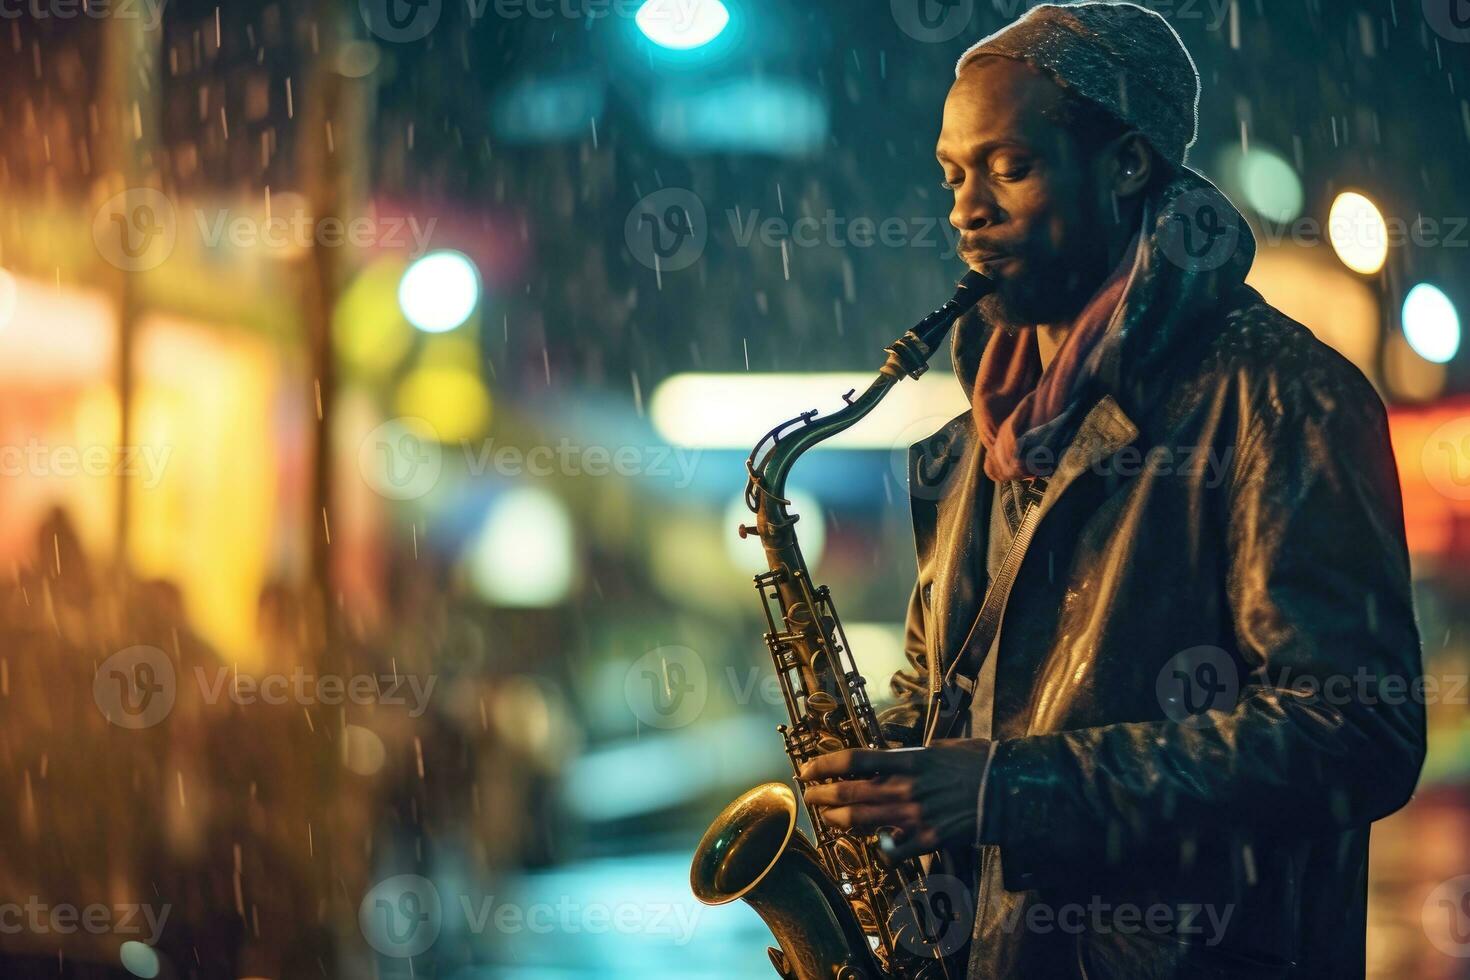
x: 1123, y: 57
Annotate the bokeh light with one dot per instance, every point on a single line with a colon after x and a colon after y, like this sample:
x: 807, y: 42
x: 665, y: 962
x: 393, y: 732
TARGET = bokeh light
x: 1431, y: 323
x: 540, y: 109
x: 139, y: 959
x: 363, y: 751
x: 7, y: 298
x: 1409, y: 377
x: 523, y: 555
x: 1358, y: 233
x: 439, y: 291
x: 681, y: 26
x: 747, y: 554
x: 368, y: 327
x: 1270, y: 184
x: 747, y: 116
x: 451, y: 399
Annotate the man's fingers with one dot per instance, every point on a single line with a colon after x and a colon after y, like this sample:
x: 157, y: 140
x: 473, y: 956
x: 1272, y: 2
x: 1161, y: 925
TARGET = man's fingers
x: 868, y: 817
x: 850, y: 763
x: 859, y: 791
x: 842, y: 765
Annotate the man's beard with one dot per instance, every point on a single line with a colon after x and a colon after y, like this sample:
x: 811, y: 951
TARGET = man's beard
x: 1054, y: 294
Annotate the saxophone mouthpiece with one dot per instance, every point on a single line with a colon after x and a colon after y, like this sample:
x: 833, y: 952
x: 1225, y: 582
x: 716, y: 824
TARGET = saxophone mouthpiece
x: 931, y: 330
x: 972, y: 288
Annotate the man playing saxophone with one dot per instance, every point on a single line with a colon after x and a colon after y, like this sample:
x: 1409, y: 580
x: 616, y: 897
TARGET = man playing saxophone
x: 1174, y: 739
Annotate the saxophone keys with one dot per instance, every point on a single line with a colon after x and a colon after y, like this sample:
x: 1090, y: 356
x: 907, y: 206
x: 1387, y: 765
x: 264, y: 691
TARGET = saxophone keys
x: 781, y: 963
x: 821, y: 704
x: 865, y: 916
x: 849, y: 857
x: 827, y: 744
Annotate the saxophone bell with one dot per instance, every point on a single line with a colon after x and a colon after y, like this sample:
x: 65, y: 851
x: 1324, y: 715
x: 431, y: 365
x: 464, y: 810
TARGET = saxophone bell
x: 754, y: 851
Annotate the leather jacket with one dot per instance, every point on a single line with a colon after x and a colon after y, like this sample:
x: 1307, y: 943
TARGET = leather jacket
x: 1205, y: 686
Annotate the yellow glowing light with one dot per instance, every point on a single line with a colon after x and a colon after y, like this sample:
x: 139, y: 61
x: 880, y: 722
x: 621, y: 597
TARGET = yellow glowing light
x: 7, y: 298
x: 362, y: 750
x: 1312, y: 288
x: 732, y: 411
x: 203, y: 504
x: 1358, y: 232
x: 451, y: 399
x: 368, y: 328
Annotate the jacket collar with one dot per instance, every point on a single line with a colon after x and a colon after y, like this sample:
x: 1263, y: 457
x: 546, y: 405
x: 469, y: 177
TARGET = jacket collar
x: 947, y: 522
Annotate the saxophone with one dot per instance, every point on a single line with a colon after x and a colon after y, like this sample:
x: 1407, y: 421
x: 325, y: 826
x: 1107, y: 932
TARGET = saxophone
x: 839, y: 909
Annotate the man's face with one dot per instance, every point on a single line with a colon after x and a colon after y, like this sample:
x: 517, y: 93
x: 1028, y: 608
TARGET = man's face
x: 1026, y: 198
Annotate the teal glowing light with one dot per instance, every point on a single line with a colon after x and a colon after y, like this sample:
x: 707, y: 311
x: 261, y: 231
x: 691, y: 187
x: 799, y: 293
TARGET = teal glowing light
x: 1272, y: 187
x: 681, y: 25
x: 542, y: 109
x: 1431, y: 323
x: 139, y: 959
x: 744, y: 115
x: 439, y: 291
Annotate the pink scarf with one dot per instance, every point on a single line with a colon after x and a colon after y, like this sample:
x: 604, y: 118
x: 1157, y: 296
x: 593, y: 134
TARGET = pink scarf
x: 1013, y: 398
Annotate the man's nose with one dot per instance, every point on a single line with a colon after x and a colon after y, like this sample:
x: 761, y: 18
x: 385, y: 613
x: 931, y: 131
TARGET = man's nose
x: 973, y: 208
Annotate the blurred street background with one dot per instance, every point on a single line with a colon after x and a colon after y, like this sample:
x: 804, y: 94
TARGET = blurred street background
x: 376, y: 380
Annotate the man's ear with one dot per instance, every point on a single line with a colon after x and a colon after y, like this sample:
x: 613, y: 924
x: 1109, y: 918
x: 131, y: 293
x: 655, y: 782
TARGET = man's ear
x: 1130, y: 165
